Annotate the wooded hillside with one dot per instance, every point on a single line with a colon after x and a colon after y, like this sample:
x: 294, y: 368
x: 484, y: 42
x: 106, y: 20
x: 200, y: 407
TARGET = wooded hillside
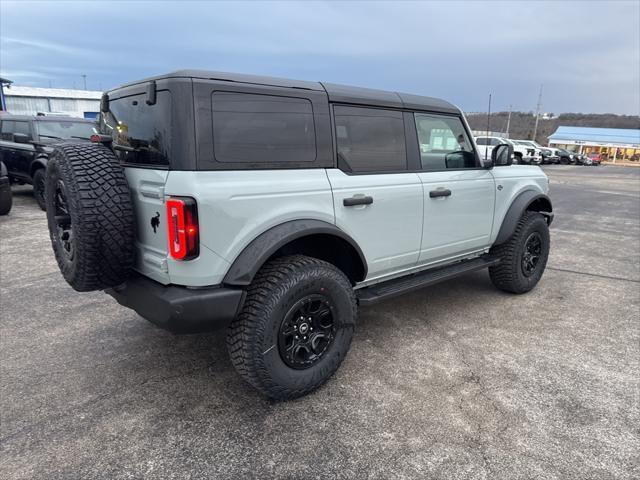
x: 522, y: 123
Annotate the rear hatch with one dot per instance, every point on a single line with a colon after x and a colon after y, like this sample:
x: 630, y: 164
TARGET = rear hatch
x: 142, y: 134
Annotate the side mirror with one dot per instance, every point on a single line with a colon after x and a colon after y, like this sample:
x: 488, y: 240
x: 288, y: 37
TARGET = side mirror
x: 21, y: 138
x: 502, y: 155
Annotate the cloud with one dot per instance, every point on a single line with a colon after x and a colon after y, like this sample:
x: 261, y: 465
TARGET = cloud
x: 586, y: 53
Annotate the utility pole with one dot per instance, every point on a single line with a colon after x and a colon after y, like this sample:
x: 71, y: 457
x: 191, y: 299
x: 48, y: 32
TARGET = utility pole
x: 509, y: 120
x: 535, y: 128
x: 84, y: 79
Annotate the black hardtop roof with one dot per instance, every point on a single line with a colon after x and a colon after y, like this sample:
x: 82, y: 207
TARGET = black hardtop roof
x: 336, y: 93
x: 45, y: 118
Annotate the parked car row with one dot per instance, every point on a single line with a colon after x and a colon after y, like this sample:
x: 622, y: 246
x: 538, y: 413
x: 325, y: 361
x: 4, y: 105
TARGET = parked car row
x: 522, y: 153
x: 27, y: 141
x: 529, y: 152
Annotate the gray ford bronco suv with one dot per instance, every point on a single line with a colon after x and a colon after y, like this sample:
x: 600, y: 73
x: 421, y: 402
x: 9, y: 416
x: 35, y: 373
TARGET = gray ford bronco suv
x: 273, y: 208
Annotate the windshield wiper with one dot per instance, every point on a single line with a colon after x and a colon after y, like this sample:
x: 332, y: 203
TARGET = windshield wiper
x: 51, y: 136
x: 81, y: 138
x: 124, y: 148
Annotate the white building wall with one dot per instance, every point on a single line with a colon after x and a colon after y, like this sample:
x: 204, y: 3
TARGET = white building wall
x: 31, y: 100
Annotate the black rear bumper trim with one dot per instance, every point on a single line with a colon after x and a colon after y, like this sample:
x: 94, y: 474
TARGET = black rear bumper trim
x: 180, y: 309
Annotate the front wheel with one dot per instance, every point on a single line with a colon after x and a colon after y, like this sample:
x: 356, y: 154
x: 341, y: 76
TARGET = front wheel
x: 295, y: 327
x: 523, y: 257
x: 38, y: 188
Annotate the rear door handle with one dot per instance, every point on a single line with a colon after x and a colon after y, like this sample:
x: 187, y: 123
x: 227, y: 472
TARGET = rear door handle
x: 363, y: 200
x: 441, y: 192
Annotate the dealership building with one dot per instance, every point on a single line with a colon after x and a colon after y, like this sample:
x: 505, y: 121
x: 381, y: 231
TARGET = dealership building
x: 612, y: 143
x: 33, y: 101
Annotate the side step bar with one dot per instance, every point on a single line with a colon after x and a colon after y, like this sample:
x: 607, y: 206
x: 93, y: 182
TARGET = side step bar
x: 391, y: 288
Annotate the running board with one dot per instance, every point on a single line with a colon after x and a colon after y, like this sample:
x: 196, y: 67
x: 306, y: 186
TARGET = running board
x: 391, y: 288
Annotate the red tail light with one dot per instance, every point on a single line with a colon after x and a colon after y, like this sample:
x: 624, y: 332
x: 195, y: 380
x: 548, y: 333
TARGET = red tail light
x: 182, y: 227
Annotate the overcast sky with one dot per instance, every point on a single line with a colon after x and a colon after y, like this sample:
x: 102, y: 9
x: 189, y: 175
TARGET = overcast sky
x: 587, y: 54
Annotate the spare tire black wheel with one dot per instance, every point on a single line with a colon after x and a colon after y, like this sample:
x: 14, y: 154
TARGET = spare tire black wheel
x: 90, y: 216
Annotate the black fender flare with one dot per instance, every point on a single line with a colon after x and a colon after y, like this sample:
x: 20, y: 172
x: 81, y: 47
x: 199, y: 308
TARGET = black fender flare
x: 254, y: 255
x: 520, y: 205
x: 38, y: 162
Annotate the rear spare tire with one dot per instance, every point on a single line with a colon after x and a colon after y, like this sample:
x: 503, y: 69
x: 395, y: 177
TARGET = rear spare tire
x: 90, y: 216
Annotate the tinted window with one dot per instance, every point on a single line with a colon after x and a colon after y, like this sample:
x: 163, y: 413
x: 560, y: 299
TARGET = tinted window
x: 6, y: 130
x: 22, y: 127
x: 370, y: 139
x: 250, y: 128
x: 496, y: 141
x: 50, y: 130
x: 482, y: 141
x: 141, y: 133
x: 443, y: 142
x: 9, y: 127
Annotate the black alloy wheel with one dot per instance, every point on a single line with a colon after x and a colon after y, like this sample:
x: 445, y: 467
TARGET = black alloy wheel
x: 307, y: 332
x: 64, y: 229
x: 531, y: 254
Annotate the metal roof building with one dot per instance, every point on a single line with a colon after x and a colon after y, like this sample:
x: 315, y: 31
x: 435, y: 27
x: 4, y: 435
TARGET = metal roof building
x: 612, y: 143
x: 34, y: 100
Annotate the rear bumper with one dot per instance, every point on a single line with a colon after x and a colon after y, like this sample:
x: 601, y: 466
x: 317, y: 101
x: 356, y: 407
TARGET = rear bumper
x: 180, y: 309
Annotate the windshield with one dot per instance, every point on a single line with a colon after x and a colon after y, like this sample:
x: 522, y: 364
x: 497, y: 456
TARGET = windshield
x: 65, y: 130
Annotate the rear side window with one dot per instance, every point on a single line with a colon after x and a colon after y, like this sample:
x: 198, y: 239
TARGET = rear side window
x: 252, y: 128
x: 482, y: 141
x: 370, y: 139
x: 141, y: 133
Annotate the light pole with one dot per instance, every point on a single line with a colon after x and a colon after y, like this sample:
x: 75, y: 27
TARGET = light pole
x: 535, y: 128
x: 84, y: 80
x: 509, y: 120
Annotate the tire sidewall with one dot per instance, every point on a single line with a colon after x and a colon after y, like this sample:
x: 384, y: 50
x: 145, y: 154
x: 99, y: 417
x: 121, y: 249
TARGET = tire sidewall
x: 321, y: 280
x: 56, y: 172
x: 537, y: 224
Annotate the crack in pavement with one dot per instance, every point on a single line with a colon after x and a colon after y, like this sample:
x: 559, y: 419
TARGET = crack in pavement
x: 609, y: 277
x: 482, y: 391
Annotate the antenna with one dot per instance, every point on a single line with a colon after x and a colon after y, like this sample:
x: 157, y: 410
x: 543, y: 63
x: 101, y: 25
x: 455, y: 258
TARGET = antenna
x: 535, y: 128
x: 486, y: 147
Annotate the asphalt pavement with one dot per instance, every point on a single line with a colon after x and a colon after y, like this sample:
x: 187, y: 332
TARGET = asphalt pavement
x: 458, y: 380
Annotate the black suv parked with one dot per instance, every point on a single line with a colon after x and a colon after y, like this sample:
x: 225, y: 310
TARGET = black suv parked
x: 26, y: 142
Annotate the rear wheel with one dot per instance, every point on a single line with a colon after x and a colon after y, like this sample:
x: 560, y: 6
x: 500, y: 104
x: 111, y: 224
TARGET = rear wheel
x: 295, y: 327
x: 38, y: 187
x: 523, y: 257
